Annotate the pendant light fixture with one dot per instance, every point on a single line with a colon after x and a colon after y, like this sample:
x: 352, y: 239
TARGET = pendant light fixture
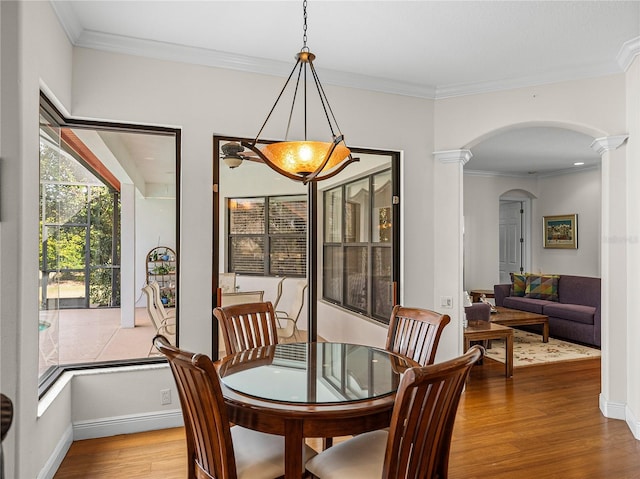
x: 304, y: 160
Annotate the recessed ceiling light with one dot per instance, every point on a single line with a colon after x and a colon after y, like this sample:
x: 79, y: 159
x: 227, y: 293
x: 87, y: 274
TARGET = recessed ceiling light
x: 578, y: 163
x: 150, y: 158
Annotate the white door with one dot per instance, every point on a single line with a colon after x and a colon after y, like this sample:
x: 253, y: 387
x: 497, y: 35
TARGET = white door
x: 511, y: 240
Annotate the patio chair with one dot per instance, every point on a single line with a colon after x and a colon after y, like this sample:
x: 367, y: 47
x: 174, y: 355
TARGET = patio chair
x: 415, y: 333
x: 278, y: 293
x: 164, y: 326
x: 246, y: 326
x: 288, y: 320
x: 214, y: 448
x: 157, y: 299
x: 418, y: 442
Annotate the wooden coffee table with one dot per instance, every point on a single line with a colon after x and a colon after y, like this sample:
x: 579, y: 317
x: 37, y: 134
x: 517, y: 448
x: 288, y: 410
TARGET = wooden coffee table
x: 476, y: 294
x: 514, y: 317
x: 483, y: 331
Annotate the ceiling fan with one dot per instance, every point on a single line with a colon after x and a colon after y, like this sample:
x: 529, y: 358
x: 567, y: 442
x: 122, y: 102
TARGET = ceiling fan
x: 233, y: 153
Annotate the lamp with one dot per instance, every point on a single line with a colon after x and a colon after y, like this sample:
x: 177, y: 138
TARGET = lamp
x: 305, y: 160
x: 231, y: 154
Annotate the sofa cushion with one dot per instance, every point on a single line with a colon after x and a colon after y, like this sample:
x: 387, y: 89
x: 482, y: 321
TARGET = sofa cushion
x: 579, y: 290
x: 525, y: 304
x: 542, y: 287
x: 571, y: 312
x: 518, y: 284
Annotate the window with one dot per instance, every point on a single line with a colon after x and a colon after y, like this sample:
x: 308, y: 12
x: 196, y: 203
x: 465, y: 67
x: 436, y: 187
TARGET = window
x: 268, y: 235
x: 359, y: 251
x: 83, y: 209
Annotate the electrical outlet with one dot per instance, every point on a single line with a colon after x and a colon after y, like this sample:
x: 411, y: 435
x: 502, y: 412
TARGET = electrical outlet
x: 165, y: 396
x: 446, y: 301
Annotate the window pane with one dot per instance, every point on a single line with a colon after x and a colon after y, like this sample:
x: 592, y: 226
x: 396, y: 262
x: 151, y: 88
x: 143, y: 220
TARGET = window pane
x: 356, y: 277
x: 246, y: 216
x: 247, y: 254
x: 381, y: 218
x: 103, y: 285
x: 333, y: 216
x: 332, y: 273
x: 356, y: 212
x: 288, y: 214
x: 382, y: 290
x: 101, y: 231
x: 70, y: 247
x: 288, y: 256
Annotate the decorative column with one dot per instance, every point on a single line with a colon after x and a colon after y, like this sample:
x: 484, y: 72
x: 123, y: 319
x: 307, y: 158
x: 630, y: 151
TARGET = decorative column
x: 448, y: 240
x: 613, y: 275
x: 127, y: 255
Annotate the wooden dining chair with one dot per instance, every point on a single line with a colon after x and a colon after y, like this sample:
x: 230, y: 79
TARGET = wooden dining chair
x: 246, y: 326
x: 415, y: 333
x: 215, y: 450
x: 418, y: 442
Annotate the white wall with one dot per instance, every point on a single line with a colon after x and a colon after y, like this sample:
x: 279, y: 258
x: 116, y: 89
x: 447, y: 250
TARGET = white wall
x: 632, y: 415
x: 35, y: 52
x: 561, y: 194
x: 200, y: 101
x: 481, y: 222
x: 155, y: 226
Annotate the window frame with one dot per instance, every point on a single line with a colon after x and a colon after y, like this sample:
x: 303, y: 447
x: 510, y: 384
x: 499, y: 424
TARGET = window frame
x: 266, y: 236
x: 55, y: 116
x: 370, y: 245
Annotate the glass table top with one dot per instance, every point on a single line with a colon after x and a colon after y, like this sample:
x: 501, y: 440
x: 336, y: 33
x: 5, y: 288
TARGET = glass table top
x: 314, y: 373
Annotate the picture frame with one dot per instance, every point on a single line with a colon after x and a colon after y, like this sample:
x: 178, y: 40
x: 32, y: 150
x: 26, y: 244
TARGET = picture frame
x: 560, y: 231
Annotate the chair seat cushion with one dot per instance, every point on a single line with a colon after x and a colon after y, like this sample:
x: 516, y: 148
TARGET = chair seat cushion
x: 361, y: 457
x: 259, y: 455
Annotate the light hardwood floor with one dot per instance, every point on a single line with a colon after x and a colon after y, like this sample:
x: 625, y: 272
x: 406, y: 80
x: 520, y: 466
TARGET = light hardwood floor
x: 543, y: 424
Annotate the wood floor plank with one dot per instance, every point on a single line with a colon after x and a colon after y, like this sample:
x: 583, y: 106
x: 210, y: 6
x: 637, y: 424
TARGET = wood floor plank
x: 542, y: 424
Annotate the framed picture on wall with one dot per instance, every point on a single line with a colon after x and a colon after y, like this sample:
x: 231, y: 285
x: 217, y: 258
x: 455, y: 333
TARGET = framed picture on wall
x: 560, y: 231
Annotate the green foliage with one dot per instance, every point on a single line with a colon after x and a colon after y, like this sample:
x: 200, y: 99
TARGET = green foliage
x: 74, y: 202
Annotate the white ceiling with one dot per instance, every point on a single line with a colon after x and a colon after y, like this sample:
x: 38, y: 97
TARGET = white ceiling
x: 430, y: 49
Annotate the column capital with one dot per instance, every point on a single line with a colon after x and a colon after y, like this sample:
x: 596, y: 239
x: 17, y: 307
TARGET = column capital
x: 608, y: 143
x: 453, y: 156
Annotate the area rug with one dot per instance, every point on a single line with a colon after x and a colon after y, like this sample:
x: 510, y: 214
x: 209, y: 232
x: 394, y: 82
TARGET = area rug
x: 528, y: 349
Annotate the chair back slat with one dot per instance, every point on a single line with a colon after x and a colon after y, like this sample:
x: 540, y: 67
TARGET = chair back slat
x: 415, y: 333
x: 209, y: 445
x: 423, y: 418
x: 247, y: 326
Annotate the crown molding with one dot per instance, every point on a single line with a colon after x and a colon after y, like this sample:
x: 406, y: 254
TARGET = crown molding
x: 591, y: 71
x: 68, y: 20
x: 608, y: 143
x: 628, y: 52
x: 453, y: 156
x: 565, y: 171
x: 214, y: 58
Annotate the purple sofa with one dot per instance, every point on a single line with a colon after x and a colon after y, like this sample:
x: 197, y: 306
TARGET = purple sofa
x: 576, y: 314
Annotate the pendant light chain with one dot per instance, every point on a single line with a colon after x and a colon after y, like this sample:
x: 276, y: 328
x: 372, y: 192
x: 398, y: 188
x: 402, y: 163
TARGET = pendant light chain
x: 304, y: 160
x: 304, y: 27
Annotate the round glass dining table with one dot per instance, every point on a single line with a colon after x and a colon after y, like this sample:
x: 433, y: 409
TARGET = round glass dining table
x: 300, y: 390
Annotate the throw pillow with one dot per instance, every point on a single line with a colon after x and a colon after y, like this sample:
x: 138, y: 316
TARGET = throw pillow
x: 518, y: 284
x: 542, y: 287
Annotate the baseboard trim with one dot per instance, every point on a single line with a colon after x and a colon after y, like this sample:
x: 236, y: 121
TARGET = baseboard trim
x: 612, y: 410
x: 55, y: 459
x: 127, y: 424
x: 633, y: 423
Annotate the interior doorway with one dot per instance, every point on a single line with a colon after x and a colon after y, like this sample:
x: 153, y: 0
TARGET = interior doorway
x: 514, y: 236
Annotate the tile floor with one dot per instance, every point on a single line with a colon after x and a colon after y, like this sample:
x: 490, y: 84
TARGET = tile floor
x: 90, y: 335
